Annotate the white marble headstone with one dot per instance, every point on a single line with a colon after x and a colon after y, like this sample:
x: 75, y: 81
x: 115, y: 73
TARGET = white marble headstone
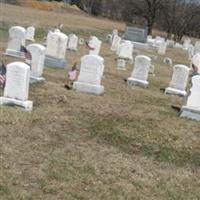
x: 56, y: 45
x: 126, y: 50
x: 197, y: 47
x: 95, y: 44
x: 115, y: 43
x: 179, y: 81
x: 37, y: 62
x: 190, y: 51
x: 91, y: 72
x: 186, y: 43
x: 192, y: 108
x: 16, y: 40
x: 17, y: 85
x: 30, y: 33
x: 72, y: 42
x: 162, y: 48
x: 140, y: 72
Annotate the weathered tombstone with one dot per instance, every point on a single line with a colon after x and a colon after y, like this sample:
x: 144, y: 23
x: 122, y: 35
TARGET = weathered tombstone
x: 197, y: 47
x: 158, y: 40
x: 179, y: 81
x: 37, y: 52
x: 72, y: 42
x: 56, y: 49
x: 190, y: 51
x: 30, y: 33
x: 196, y: 61
x: 135, y: 34
x: 81, y: 41
x: 115, y: 43
x: 140, y: 72
x: 17, y: 86
x: 162, y: 48
x: 91, y: 72
x: 168, y: 61
x: 95, y: 44
x: 170, y: 43
x: 126, y: 50
x: 16, y: 40
x: 109, y: 38
x: 121, y: 64
x: 192, y: 108
x: 186, y: 43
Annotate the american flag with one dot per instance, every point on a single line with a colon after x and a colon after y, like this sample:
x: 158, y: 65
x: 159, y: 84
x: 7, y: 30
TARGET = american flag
x: 2, y: 75
x: 25, y: 53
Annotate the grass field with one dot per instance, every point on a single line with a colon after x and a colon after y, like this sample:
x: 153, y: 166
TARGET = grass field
x: 128, y: 144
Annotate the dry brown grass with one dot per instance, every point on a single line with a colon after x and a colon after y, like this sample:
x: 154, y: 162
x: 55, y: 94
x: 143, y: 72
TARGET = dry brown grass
x: 127, y: 144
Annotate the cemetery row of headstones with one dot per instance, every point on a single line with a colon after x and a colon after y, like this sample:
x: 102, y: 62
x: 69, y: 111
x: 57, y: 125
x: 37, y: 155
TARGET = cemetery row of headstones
x: 92, y: 66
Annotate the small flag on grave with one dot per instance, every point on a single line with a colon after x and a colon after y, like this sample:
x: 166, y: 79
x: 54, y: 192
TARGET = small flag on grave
x: 2, y: 75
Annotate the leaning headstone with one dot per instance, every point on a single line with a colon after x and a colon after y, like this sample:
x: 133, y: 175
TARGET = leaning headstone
x: 72, y: 42
x: 126, y: 50
x: 37, y: 52
x: 91, y: 72
x: 197, y: 47
x: 56, y: 49
x: 16, y: 40
x: 17, y: 86
x: 179, y: 81
x: 95, y: 45
x: 162, y: 48
x: 140, y: 72
x: 30, y: 33
x: 115, y: 43
x: 192, y: 108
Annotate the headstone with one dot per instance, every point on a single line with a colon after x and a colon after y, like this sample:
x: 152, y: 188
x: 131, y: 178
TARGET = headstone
x: 72, y: 42
x: 158, y: 40
x: 190, y: 51
x: 121, y: 64
x: 178, y: 45
x: 17, y: 86
x: 16, y: 40
x: 170, y: 43
x: 192, y: 108
x: 115, y: 32
x: 162, y: 48
x: 186, y: 43
x: 109, y: 38
x: 37, y: 62
x: 30, y: 33
x: 91, y: 72
x: 115, y: 43
x: 168, y: 61
x: 179, y: 81
x: 140, y: 72
x: 95, y: 44
x: 197, y: 47
x: 196, y: 62
x: 126, y: 50
x: 135, y: 34
x: 81, y: 41
x: 56, y: 49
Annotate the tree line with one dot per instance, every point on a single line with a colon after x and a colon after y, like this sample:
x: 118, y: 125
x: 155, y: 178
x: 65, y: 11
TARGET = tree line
x: 176, y: 17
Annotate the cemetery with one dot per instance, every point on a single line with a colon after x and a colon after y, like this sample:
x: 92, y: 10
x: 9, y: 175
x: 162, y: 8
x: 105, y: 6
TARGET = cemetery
x: 128, y: 127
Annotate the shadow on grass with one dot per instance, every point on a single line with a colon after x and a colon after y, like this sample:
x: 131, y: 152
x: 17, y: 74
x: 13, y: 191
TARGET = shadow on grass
x: 107, y: 130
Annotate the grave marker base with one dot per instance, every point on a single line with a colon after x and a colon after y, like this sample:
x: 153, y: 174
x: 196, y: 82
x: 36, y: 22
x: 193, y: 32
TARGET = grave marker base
x: 137, y: 82
x: 36, y: 79
x: 13, y: 53
x: 191, y: 113
x: 27, y: 105
x: 88, y: 88
x: 55, y: 62
x: 172, y: 91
